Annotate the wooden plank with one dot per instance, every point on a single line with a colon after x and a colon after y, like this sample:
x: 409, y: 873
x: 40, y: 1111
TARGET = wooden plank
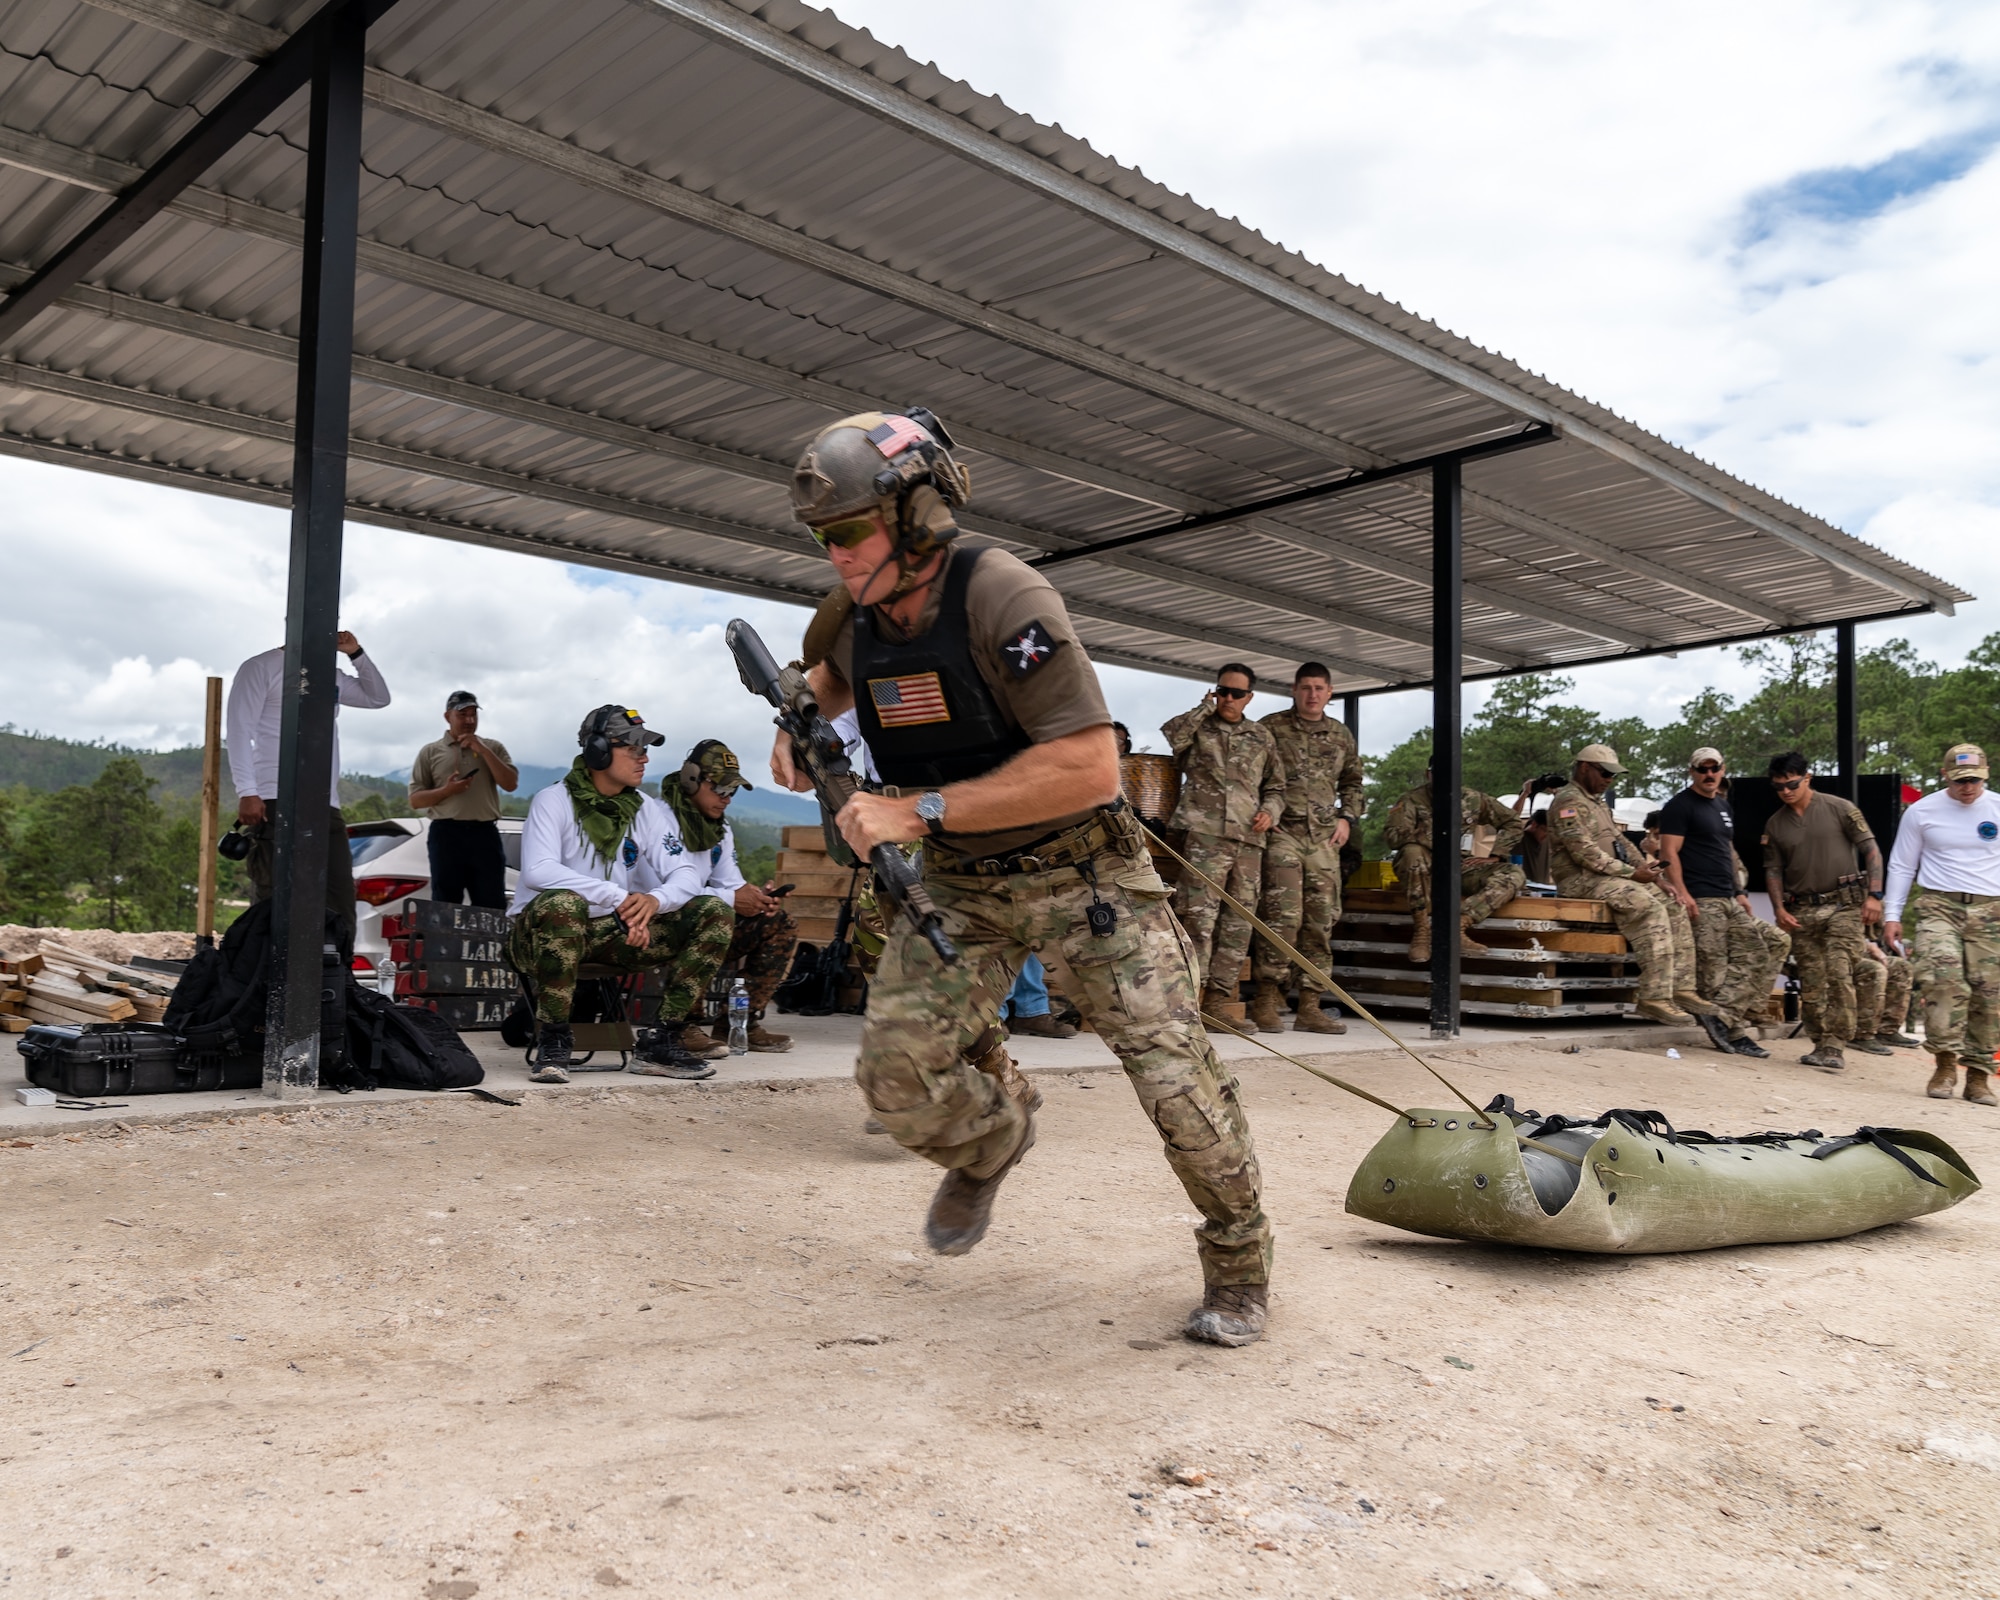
x: 803, y: 836
x: 10, y: 1023
x: 25, y: 966
x: 805, y: 861
x: 821, y: 884
x: 1374, y: 948
x: 1553, y: 908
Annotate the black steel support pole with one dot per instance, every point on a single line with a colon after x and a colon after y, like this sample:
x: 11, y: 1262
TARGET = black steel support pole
x: 1447, y: 769
x: 1846, y: 712
x: 312, y: 615
x: 1350, y: 713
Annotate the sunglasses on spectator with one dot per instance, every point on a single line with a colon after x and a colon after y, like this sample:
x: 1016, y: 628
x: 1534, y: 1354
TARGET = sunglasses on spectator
x: 844, y: 534
x: 1708, y: 766
x: 1231, y: 694
x: 1969, y: 778
x: 1786, y: 785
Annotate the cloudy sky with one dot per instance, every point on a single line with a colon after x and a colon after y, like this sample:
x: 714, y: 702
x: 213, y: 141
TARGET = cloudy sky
x: 1766, y: 232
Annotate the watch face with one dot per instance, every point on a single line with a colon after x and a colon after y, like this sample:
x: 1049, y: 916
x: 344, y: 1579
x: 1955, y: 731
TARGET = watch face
x: 930, y: 807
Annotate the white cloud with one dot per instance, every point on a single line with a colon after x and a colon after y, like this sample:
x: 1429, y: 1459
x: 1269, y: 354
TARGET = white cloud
x: 1689, y: 213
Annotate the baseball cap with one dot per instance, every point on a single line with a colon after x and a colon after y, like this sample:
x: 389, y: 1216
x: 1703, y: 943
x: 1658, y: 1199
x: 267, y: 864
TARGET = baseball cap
x: 1965, y: 761
x: 459, y: 699
x: 1601, y: 755
x: 719, y: 765
x: 1707, y: 752
x: 620, y: 725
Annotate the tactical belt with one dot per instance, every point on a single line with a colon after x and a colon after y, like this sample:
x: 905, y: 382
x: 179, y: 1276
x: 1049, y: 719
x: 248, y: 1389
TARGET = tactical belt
x: 1962, y: 898
x: 1107, y: 831
x: 1832, y: 897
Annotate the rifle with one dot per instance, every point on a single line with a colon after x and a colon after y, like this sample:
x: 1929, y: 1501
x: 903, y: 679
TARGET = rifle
x: 820, y: 753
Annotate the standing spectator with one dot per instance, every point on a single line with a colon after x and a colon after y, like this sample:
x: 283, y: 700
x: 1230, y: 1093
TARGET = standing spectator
x: 764, y: 936
x: 1949, y: 848
x: 1027, y: 1005
x: 1736, y: 956
x: 1882, y: 1001
x: 256, y: 713
x: 1824, y: 900
x: 1322, y: 803
x: 1232, y: 789
x: 458, y: 780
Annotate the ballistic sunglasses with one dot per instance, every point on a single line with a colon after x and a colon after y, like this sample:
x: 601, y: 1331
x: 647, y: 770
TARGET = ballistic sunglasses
x: 844, y: 534
x: 1231, y: 694
x: 1708, y: 766
x: 1969, y: 778
x: 1786, y: 785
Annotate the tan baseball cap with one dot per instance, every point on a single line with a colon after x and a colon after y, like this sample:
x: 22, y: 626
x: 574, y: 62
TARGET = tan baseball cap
x: 1965, y: 761
x: 1601, y: 755
x: 1707, y: 752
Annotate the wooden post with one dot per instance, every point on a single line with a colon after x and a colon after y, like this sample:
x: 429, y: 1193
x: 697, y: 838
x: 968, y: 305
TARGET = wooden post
x: 211, y: 813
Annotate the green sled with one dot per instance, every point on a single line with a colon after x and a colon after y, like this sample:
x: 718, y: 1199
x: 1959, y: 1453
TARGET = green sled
x: 1642, y: 1187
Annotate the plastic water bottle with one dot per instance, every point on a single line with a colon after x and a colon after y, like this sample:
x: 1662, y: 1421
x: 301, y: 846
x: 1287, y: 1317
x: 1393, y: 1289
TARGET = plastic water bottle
x: 739, y: 1019
x: 385, y: 977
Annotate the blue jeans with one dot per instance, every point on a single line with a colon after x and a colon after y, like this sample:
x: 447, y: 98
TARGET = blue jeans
x: 1030, y: 995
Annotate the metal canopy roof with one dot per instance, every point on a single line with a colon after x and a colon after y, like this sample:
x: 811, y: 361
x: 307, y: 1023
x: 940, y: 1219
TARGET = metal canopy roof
x: 621, y: 258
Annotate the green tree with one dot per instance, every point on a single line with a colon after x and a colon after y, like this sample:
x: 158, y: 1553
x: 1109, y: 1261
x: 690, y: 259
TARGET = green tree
x: 109, y: 839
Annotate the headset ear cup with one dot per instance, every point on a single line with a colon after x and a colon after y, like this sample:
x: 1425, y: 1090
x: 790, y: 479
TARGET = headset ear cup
x: 690, y: 776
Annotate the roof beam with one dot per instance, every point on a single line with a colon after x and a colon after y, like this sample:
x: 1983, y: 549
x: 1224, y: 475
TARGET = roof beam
x: 856, y: 86
x: 227, y: 33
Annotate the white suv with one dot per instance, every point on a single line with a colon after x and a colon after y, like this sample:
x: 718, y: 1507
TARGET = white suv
x: 392, y: 864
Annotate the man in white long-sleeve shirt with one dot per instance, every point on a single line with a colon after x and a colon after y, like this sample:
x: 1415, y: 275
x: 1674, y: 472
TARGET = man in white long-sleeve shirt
x: 605, y: 879
x: 1948, y: 852
x: 256, y: 713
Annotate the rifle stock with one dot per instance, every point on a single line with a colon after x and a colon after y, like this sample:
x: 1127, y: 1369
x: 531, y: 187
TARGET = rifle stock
x: 818, y: 751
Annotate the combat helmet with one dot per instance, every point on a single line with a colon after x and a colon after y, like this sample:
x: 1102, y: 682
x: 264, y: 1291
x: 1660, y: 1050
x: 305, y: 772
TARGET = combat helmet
x: 897, y: 463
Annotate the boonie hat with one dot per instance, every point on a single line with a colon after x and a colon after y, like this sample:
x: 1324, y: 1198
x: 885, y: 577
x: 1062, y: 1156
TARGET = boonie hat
x: 1965, y: 761
x: 1601, y: 755
x: 619, y: 725
x: 1707, y: 752
x: 459, y: 699
x: 719, y: 765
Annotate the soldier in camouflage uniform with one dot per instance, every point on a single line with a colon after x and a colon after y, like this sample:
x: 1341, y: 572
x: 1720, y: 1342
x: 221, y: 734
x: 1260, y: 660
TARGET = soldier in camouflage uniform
x: 986, y: 721
x: 1323, y: 801
x: 1592, y: 860
x: 1488, y: 882
x: 1882, y: 985
x: 1232, y: 789
x: 1947, y: 856
x: 1823, y: 871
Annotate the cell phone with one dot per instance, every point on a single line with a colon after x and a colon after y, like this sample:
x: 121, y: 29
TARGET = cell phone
x: 782, y: 889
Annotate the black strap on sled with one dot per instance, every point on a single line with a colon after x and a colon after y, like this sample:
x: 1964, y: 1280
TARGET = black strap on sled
x: 1879, y: 1138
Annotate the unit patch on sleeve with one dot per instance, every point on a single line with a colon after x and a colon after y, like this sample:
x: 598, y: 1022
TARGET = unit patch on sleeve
x: 1028, y: 649
x: 905, y: 702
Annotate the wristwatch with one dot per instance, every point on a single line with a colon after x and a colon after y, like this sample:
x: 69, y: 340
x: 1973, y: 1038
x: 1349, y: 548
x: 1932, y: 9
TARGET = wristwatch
x: 930, y: 808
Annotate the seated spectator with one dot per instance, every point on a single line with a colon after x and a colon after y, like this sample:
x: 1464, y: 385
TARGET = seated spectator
x: 765, y: 937
x: 458, y: 780
x: 1534, y: 849
x: 1649, y: 837
x: 1026, y: 1007
x: 605, y: 879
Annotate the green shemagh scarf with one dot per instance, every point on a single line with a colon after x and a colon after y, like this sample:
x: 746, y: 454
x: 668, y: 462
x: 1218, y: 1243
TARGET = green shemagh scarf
x: 697, y: 832
x: 604, y: 818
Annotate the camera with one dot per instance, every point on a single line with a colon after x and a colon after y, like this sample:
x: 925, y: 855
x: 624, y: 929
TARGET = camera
x: 235, y: 844
x: 1547, y: 783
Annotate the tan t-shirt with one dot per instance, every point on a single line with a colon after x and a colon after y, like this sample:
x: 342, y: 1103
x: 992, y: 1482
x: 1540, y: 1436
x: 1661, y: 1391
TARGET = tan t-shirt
x: 1058, y: 695
x: 1817, y: 850
x: 440, y: 760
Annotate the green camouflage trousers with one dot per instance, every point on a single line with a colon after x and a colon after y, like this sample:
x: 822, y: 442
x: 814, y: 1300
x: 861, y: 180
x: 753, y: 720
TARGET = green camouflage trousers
x: 1736, y: 958
x: 555, y: 934
x: 1136, y: 986
x: 1655, y: 925
x: 1220, y: 935
x: 1827, y: 948
x: 1882, y: 994
x: 1957, y: 956
x: 764, y: 946
x: 1301, y: 902
x: 1486, y: 883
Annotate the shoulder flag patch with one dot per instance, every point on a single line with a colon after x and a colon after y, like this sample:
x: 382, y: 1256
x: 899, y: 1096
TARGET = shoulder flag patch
x: 1567, y: 811
x: 1028, y: 649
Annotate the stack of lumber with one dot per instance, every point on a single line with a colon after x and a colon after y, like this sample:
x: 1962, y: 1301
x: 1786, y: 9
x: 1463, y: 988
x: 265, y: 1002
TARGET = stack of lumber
x: 66, y: 985
x: 1548, y: 958
x: 819, y: 885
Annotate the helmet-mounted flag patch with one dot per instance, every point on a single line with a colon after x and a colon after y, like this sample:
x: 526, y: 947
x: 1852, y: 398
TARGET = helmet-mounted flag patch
x: 1028, y: 649
x: 893, y: 435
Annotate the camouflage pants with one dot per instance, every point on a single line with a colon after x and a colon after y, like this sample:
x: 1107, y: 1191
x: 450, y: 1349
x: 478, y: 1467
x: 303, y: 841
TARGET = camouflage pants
x: 1826, y: 948
x: 1736, y: 957
x: 1301, y: 902
x: 1136, y: 986
x: 555, y: 934
x: 1486, y: 883
x: 1957, y: 956
x: 764, y: 946
x: 1220, y: 935
x: 1882, y: 994
x: 1655, y: 925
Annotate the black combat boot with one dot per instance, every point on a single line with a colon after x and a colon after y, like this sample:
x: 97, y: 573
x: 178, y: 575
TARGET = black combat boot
x: 554, y: 1046
x: 661, y: 1054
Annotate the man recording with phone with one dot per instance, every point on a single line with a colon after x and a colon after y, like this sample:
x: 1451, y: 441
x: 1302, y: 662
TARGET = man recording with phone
x: 606, y: 880
x: 764, y: 936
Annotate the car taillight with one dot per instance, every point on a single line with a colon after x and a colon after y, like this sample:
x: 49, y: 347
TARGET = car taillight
x: 380, y: 891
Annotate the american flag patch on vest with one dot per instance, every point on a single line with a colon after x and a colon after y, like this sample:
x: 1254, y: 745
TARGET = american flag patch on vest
x: 903, y: 702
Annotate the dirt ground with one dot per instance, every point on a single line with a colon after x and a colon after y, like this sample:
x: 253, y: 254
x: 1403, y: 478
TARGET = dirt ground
x: 687, y: 1340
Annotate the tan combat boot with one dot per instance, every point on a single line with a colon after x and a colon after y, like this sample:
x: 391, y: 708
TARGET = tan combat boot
x: 1694, y: 1005
x: 1944, y: 1077
x: 1231, y: 1314
x: 1420, y: 937
x: 1663, y: 1012
x: 963, y: 1205
x: 1265, y: 1006
x: 1313, y: 1020
x: 1979, y: 1085
x: 1467, y: 945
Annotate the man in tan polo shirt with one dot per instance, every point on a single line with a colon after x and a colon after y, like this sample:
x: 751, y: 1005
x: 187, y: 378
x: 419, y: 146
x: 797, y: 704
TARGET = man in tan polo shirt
x: 458, y: 780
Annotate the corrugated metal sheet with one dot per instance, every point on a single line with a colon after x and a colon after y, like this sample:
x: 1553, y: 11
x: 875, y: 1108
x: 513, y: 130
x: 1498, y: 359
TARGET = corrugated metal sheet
x: 621, y: 258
